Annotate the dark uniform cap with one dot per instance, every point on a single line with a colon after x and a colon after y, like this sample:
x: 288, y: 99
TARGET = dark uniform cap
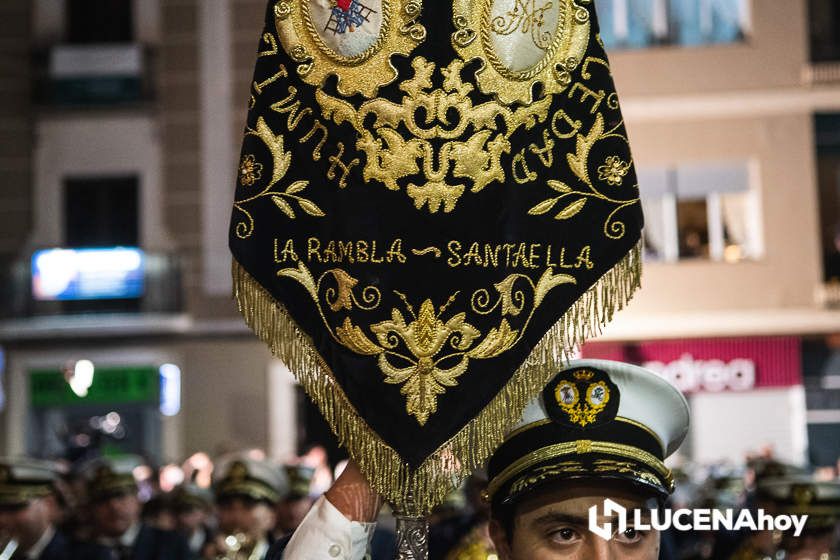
x: 300, y: 480
x: 23, y: 480
x: 110, y: 477
x: 239, y: 475
x: 769, y: 469
x: 802, y: 495
x: 595, y: 419
x: 191, y: 496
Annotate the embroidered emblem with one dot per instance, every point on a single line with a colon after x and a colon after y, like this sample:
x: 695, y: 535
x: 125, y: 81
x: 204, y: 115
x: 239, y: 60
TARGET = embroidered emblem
x: 581, y: 398
x: 802, y: 494
x: 528, y: 18
x: 237, y: 472
x: 522, y: 43
x: 351, y: 39
x: 348, y: 15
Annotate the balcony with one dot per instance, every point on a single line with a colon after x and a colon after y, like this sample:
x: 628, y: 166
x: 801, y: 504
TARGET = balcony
x: 66, y: 293
x: 94, y: 75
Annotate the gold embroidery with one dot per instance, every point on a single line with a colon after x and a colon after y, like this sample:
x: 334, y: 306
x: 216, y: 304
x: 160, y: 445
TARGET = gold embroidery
x: 282, y: 160
x: 336, y: 164
x: 427, y: 353
x: 582, y: 447
x: 430, y: 115
x: 381, y: 465
x: 545, y: 472
x: 597, y: 396
x: 364, y: 73
x: 563, y: 45
x: 527, y: 18
x: 613, y: 228
x: 249, y: 171
x: 613, y: 171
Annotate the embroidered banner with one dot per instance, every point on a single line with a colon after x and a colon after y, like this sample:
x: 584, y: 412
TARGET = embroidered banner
x: 436, y: 202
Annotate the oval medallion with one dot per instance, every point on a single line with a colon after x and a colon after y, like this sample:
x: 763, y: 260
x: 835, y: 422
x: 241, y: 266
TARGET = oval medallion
x: 351, y: 39
x: 347, y: 27
x: 521, y: 43
x: 524, y: 34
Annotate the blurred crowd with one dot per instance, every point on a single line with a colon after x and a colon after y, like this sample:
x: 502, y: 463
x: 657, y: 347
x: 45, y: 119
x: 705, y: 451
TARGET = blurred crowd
x: 235, y: 506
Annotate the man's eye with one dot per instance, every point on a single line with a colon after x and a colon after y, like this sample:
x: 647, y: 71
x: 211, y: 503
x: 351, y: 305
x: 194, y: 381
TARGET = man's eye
x: 564, y: 535
x: 629, y: 536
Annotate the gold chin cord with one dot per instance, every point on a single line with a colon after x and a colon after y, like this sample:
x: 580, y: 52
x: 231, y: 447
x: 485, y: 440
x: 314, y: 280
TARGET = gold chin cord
x: 412, y: 535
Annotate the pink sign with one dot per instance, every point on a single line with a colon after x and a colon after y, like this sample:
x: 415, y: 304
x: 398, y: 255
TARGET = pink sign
x: 712, y: 365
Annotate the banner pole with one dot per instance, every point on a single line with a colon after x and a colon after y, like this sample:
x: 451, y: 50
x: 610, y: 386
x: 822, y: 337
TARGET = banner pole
x: 412, y: 536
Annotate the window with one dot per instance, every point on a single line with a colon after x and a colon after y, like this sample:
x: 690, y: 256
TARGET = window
x: 828, y: 179
x: 824, y: 17
x: 699, y: 212
x: 99, y: 21
x: 101, y: 212
x: 646, y: 23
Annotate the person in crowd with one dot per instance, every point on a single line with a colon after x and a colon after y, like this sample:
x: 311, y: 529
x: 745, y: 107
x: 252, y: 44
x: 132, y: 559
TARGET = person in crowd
x: 29, y: 508
x: 247, y: 493
x: 193, y: 507
x: 115, y: 513
x: 800, y: 495
x: 158, y: 512
x: 459, y: 528
x: 599, y: 430
x: 294, y: 506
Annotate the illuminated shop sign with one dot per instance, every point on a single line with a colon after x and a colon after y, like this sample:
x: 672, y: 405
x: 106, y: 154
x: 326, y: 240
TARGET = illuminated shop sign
x: 690, y: 375
x: 87, y: 274
x: 712, y: 365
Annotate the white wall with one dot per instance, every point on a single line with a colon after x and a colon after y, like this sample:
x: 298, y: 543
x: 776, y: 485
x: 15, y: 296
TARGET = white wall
x: 49, y: 17
x: 727, y: 426
x: 106, y: 145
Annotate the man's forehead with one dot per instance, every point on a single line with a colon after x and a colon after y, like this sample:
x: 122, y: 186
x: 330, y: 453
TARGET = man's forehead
x: 576, y: 499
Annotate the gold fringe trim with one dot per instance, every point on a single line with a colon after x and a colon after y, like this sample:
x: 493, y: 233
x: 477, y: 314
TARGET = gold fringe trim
x: 417, y: 492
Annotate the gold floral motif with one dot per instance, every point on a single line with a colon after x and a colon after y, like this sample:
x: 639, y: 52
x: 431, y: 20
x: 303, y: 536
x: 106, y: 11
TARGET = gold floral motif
x: 283, y: 200
x: 430, y: 349
x: 564, y: 46
x: 613, y: 171
x: 432, y: 115
x: 577, y: 199
x: 250, y: 171
x: 423, y: 377
x: 362, y: 74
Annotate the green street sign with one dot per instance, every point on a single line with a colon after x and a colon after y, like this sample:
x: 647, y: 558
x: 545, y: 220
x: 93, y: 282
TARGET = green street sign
x: 111, y: 385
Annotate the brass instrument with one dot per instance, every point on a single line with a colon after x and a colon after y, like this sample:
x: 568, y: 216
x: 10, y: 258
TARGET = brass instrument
x: 238, y: 546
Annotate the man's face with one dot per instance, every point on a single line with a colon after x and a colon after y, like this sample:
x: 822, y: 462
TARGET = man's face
x: 27, y: 522
x: 290, y: 513
x: 190, y: 519
x: 245, y: 515
x: 554, y: 524
x: 115, y: 515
